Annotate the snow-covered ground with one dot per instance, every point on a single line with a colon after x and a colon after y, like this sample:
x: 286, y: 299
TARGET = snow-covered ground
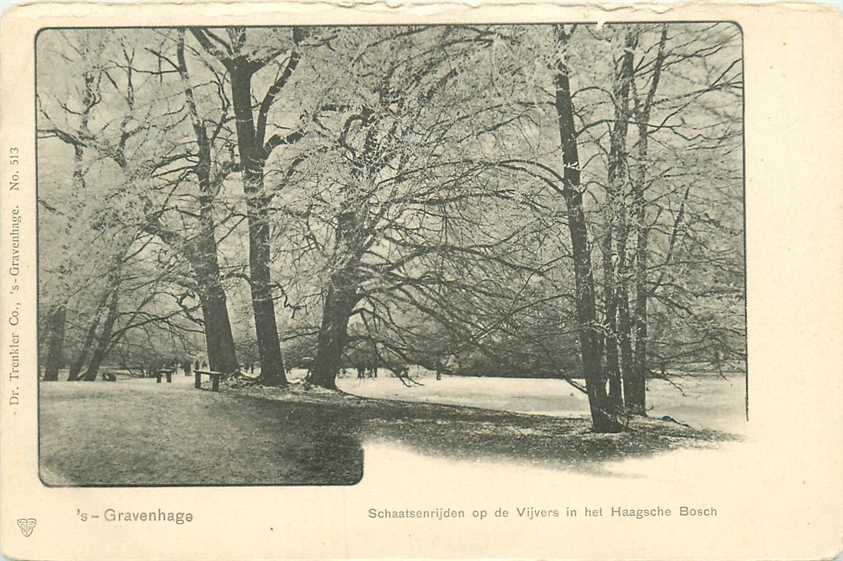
x: 708, y: 401
x: 704, y: 400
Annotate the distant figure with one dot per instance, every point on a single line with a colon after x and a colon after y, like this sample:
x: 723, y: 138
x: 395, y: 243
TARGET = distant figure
x: 361, y: 372
x: 439, y: 367
x: 196, y: 364
x: 185, y: 365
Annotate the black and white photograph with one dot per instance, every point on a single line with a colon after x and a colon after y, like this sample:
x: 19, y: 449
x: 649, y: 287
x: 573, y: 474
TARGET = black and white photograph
x: 421, y: 280
x: 284, y: 255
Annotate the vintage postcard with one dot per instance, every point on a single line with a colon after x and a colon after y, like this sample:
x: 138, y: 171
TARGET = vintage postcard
x: 421, y: 281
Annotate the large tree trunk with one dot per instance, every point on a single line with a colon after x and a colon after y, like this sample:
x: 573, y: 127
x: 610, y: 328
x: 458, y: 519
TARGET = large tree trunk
x: 602, y: 417
x: 251, y: 167
x: 624, y: 323
x: 219, y: 341
x: 55, y: 342
x: 269, y: 345
x: 222, y: 356
x: 610, y: 341
x: 615, y: 237
x: 636, y: 390
x: 90, y: 335
x: 104, y: 340
x: 624, y: 331
x: 635, y: 382
x: 339, y: 303
x: 332, y: 336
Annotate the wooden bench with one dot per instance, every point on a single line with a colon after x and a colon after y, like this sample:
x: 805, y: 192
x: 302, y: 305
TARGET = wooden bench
x: 215, y: 379
x: 167, y: 373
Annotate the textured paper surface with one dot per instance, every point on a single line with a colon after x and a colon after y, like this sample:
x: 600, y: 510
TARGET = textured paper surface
x: 778, y: 494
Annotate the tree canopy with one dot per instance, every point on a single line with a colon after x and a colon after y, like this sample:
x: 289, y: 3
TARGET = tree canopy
x: 560, y: 201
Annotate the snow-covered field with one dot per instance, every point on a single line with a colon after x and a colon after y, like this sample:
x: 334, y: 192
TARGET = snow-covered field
x: 166, y: 424
x: 708, y: 401
x: 703, y: 401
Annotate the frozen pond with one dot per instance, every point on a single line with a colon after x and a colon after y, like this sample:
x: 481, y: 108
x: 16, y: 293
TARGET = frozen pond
x: 708, y: 401
x: 703, y: 400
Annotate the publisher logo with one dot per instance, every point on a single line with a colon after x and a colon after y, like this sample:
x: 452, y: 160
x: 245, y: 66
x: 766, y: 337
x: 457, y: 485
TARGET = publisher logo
x: 26, y: 525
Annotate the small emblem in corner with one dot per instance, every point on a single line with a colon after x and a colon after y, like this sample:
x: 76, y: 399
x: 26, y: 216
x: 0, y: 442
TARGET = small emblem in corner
x: 26, y: 525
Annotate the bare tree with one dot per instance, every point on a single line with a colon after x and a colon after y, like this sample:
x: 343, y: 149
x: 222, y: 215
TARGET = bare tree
x: 242, y: 62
